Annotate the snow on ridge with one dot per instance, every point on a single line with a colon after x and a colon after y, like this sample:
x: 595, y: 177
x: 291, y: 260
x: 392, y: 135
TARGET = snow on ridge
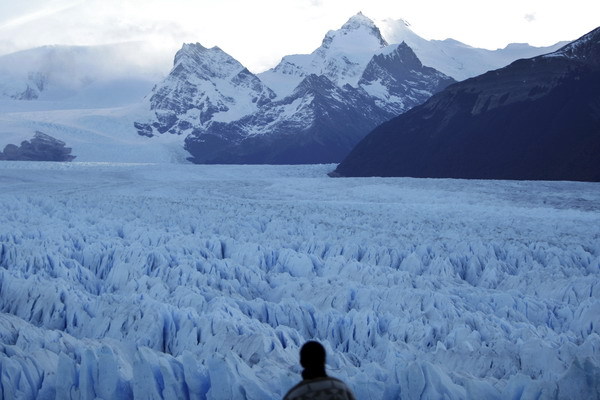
x: 584, y: 48
x: 211, y: 62
x: 204, y: 86
x: 358, y: 21
x: 454, y: 58
x: 358, y: 28
x: 342, y: 57
x: 203, y: 281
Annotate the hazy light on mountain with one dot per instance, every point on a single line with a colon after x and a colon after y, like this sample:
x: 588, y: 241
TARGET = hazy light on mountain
x: 259, y: 33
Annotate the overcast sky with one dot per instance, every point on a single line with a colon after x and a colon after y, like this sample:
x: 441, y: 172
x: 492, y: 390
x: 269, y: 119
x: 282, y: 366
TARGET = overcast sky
x: 259, y: 32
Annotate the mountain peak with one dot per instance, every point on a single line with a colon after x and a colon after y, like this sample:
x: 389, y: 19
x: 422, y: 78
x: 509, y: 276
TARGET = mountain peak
x: 202, y: 61
x: 358, y: 32
x: 357, y: 21
x: 188, y: 50
x: 196, y: 49
x: 314, y: 83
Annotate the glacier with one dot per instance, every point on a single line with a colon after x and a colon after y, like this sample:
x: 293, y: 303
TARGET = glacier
x: 174, y: 281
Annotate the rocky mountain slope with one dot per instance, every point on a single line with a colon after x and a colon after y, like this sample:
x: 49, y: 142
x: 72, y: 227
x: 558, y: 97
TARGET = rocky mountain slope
x: 310, y: 108
x: 205, y: 85
x: 537, y: 118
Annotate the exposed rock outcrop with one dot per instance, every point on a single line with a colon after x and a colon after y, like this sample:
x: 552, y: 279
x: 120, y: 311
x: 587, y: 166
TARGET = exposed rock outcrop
x: 41, y: 148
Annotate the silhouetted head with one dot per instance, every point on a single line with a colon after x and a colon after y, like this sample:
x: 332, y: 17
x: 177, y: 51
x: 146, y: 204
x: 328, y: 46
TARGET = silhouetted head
x: 312, y: 359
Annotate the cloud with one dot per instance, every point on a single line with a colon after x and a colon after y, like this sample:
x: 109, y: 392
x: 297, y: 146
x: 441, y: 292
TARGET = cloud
x: 258, y: 33
x: 12, y: 16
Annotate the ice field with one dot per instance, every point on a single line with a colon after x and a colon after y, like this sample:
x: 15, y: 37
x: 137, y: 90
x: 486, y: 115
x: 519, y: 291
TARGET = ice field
x: 154, y: 281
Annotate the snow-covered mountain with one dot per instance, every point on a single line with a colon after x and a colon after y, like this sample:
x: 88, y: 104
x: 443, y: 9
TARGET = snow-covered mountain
x: 456, y: 59
x: 342, y: 57
x: 310, y: 108
x: 83, y: 76
x: 320, y: 121
x: 537, y: 118
x: 317, y: 123
x: 92, y: 98
x: 397, y: 80
x: 205, y: 85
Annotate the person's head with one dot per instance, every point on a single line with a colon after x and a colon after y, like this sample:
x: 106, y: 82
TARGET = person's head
x: 312, y: 359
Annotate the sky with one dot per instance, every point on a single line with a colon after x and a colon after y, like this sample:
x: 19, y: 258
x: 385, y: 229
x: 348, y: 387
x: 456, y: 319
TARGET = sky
x: 259, y: 32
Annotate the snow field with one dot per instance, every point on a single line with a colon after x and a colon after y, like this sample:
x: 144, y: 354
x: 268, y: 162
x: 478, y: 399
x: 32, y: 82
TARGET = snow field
x: 95, y: 135
x: 180, y: 281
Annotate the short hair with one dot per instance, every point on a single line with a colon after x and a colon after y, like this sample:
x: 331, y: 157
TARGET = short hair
x: 312, y: 354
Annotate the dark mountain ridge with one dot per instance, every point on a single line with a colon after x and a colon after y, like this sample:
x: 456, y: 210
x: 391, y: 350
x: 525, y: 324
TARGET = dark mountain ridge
x: 537, y: 118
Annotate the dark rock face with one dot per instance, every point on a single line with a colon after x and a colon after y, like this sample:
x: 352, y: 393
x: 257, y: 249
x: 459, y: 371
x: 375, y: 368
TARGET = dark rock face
x: 318, y: 123
x: 534, y: 119
x: 41, y: 148
x: 405, y: 80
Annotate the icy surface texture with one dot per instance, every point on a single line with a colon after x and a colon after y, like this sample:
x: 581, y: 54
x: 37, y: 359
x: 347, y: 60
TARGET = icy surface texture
x: 201, y: 282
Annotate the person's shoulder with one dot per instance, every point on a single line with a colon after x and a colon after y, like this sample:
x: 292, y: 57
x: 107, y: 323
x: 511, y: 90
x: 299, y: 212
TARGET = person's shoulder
x: 342, y: 386
x: 291, y: 393
x: 337, y: 382
x: 306, y: 388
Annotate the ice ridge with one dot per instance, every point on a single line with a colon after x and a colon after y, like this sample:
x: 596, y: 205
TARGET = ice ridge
x: 202, y: 282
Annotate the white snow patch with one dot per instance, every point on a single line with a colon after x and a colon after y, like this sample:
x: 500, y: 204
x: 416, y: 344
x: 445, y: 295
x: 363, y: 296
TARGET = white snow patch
x: 456, y: 59
x: 95, y: 135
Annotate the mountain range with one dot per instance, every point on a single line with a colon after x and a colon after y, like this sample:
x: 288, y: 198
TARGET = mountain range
x: 536, y: 118
x: 310, y: 108
x: 211, y: 109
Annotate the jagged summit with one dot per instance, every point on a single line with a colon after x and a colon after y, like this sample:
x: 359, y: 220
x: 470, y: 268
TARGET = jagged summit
x: 321, y: 119
x: 211, y: 62
x: 359, y: 30
x: 205, y: 85
x: 357, y: 21
x: 398, y: 80
x: 188, y: 50
x: 313, y: 82
x: 342, y: 57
